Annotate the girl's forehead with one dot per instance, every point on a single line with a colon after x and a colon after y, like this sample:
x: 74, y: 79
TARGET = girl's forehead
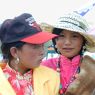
x: 69, y: 32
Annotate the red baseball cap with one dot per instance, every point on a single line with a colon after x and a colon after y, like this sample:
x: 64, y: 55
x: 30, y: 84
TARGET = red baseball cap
x: 39, y: 38
x: 23, y: 28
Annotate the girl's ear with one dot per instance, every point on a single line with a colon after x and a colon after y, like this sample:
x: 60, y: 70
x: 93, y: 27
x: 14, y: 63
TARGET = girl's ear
x: 13, y: 51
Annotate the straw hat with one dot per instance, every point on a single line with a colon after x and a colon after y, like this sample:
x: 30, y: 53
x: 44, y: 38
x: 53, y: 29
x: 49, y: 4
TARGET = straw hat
x: 74, y: 22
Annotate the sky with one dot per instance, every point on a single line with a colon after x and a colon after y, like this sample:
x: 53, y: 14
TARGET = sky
x: 43, y: 10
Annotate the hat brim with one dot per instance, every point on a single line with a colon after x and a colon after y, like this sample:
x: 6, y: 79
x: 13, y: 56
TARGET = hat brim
x: 65, y: 25
x: 39, y: 38
x: 90, y: 45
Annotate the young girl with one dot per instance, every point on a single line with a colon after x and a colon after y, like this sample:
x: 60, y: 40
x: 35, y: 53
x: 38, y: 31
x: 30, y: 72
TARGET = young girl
x: 72, y: 42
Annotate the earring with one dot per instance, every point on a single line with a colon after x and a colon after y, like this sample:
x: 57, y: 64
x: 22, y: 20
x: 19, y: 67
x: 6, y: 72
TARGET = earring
x: 57, y: 49
x: 17, y: 60
x: 83, y: 49
x: 55, y: 46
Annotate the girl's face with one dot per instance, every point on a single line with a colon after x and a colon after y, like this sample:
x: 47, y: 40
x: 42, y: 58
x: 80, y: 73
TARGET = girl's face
x: 69, y: 43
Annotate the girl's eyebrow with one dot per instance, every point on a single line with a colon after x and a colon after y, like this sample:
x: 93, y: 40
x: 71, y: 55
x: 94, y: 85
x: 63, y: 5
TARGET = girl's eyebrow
x: 61, y: 35
x: 75, y: 33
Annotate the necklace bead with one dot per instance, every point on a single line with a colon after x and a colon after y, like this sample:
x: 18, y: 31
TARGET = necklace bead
x: 61, y: 92
x: 58, y: 69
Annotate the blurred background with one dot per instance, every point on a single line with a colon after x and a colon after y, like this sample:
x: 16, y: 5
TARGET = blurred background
x: 47, y: 11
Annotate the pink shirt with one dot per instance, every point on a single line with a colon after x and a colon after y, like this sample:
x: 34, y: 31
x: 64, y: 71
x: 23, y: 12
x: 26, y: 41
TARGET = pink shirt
x: 68, y: 68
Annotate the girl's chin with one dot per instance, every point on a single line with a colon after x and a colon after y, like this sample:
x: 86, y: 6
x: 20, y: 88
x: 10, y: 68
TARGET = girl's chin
x: 68, y: 55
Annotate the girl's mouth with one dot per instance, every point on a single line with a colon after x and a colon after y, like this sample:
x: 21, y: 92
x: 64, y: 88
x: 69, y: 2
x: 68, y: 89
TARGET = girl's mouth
x: 68, y: 49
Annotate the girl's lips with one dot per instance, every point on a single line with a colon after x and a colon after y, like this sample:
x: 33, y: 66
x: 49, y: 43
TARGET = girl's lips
x: 67, y: 49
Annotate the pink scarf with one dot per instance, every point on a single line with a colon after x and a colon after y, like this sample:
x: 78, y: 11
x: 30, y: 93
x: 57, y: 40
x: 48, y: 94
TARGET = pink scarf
x: 68, y: 69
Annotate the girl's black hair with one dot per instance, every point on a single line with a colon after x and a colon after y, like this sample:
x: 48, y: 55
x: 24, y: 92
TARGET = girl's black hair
x: 57, y: 31
x: 5, y: 48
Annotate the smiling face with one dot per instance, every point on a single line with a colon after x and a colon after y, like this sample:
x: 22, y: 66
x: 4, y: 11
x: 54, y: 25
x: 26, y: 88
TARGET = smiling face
x: 69, y: 43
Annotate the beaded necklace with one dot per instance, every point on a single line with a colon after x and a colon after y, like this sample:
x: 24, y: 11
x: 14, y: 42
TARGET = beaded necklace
x: 61, y: 90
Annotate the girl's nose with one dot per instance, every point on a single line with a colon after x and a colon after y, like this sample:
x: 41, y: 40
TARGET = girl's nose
x: 67, y: 41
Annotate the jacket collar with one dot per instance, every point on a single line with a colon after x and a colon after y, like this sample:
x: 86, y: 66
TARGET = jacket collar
x: 41, y: 72
x: 40, y: 77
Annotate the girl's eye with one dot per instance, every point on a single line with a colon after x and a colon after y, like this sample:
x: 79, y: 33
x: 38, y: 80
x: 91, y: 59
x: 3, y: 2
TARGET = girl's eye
x: 61, y: 37
x: 75, y: 36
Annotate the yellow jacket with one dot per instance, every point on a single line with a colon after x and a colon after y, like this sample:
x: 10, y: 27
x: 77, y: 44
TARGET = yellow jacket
x: 5, y: 87
x: 46, y: 81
